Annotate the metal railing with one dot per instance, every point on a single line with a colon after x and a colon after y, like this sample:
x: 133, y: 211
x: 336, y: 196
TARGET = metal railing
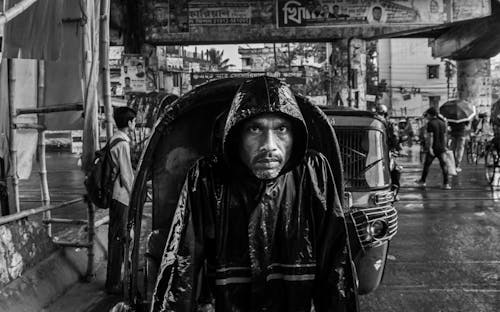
x: 90, y: 226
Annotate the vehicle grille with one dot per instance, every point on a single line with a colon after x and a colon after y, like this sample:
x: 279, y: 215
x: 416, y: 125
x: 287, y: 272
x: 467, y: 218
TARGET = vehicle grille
x: 352, y: 156
x: 363, y: 217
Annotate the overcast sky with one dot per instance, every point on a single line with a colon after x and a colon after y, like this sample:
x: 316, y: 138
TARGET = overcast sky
x: 230, y: 51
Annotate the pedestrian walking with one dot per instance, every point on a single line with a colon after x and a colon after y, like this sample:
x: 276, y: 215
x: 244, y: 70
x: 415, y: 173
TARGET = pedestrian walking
x: 394, y: 146
x: 409, y: 132
x: 457, y: 142
x: 423, y: 137
x: 125, y: 119
x: 436, y: 128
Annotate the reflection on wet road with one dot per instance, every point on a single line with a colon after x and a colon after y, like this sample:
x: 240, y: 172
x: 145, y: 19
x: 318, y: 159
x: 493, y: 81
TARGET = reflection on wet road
x: 446, y: 255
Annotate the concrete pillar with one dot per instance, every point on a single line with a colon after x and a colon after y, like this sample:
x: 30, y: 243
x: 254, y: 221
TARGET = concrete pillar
x: 474, y: 83
x: 348, y: 73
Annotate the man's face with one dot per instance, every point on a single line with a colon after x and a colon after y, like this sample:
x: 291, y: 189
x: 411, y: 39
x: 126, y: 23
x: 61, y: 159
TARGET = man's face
x: 160, y: 14
x: 377, y: 13
x: 131, y: 124
x: 266, y: 145
x: 139, y: 68
x: 127, y: 82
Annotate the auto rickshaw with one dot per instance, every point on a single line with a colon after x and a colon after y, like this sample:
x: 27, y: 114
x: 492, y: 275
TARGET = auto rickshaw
x: 191, y: 127
x: 362, y: 137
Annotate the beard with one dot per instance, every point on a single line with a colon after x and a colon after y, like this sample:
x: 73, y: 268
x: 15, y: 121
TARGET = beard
x: 267, y: 174
x: 266, y: 166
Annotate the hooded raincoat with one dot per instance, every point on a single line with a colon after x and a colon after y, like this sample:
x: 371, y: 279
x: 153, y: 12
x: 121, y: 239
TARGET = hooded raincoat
x: 244, y: 244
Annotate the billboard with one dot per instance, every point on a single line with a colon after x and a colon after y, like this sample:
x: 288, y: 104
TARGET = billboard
x: 297, y: 77
x: 129, y: 73
x: 328, y: 13
x: 232, y: 21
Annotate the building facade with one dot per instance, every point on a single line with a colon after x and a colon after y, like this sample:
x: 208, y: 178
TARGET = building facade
x: 414, y: 79
x: 324, y: 66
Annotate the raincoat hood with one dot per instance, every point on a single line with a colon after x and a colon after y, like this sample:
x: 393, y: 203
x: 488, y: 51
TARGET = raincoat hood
x: 258, y: 96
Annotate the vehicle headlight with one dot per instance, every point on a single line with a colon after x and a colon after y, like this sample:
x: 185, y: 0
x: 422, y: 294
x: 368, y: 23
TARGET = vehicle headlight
x: 377, y: 229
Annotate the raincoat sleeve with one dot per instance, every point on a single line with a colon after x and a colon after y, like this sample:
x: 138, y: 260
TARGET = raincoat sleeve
x: 334, y: 281
x: 181, y: 271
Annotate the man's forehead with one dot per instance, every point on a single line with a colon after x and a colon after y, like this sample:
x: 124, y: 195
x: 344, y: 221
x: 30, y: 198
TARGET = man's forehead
x: 269, y: 118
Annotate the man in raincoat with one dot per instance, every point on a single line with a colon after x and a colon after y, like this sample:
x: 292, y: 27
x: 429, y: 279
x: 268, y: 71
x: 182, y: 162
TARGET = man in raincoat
x: 259, y: 228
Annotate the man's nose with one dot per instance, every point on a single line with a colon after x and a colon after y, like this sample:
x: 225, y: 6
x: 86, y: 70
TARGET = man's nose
x: 269, y: 141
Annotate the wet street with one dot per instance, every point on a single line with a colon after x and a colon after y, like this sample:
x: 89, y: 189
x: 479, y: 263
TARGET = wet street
x: 445, y: 256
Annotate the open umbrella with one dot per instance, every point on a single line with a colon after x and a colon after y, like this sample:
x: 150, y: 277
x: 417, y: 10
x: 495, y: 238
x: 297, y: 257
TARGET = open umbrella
x: 495, y: 112
x: 457, y: 111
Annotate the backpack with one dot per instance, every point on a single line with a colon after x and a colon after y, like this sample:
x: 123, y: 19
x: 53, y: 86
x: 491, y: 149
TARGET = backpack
x: 100, y: 180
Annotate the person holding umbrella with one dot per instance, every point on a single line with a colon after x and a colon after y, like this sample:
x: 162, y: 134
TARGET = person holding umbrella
x: 457, y: 144
x: 458, y: 113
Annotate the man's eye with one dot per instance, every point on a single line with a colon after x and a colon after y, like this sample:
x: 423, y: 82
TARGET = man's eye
x: 283, y: 129
x: 253, y: 129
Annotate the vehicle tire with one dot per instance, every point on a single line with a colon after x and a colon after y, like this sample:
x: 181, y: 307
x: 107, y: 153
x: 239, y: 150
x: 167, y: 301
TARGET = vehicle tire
x: 478, y: 152
x: 481, y: 149
x: 468, y: 152
x: 491, y: 164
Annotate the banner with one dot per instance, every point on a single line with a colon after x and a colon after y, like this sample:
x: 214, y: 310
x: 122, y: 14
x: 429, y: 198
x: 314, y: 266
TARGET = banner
x: 304, y: 13
x: 179, y: 22
x: 36, y: 33
x: 289, y: 77
x: 220, y: 13
x: 130, y: 73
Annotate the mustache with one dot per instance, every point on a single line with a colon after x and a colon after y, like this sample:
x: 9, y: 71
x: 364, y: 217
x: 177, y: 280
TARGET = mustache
x: 266, y: 156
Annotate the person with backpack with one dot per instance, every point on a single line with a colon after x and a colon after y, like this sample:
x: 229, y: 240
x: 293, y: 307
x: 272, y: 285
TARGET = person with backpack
x: 123, y: 177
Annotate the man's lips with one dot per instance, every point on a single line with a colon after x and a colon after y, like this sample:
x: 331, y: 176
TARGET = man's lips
x: 268, y: 162
x: 267, y: 159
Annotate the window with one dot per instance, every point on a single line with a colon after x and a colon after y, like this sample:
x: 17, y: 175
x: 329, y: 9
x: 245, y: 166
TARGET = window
x: 177, y: 79
x: 434, y: 101
x: 365, y: 163
x: 247, y: 62
x: 432, y: 71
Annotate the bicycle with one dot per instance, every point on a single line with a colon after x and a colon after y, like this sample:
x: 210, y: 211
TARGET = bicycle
x: 492, y: 164
x: 481, y: 148
x: 471, y: 150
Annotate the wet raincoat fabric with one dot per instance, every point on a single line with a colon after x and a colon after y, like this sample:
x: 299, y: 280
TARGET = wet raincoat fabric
x: 245, y: 244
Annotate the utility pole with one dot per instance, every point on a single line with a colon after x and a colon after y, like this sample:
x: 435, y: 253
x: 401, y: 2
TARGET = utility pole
x: 275, y: 58
x: 104, y: 61
x: 90, y: 75
x: 134, y: 33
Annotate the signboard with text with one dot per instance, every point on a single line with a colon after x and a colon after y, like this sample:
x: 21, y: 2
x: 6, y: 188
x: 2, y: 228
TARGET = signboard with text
x: 230, y: 21
x: 219, y: 13
x: 297, y: 77
x: 129, y: 73
x: 352, y: 12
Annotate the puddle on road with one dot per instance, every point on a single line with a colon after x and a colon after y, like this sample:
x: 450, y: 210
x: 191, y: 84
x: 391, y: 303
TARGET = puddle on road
x: 412, y: 206
x: 413, y: 196
x: 495, y: 194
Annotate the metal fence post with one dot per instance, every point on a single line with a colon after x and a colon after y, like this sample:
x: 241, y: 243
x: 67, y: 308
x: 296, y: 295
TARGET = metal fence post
x: 91, y: 234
